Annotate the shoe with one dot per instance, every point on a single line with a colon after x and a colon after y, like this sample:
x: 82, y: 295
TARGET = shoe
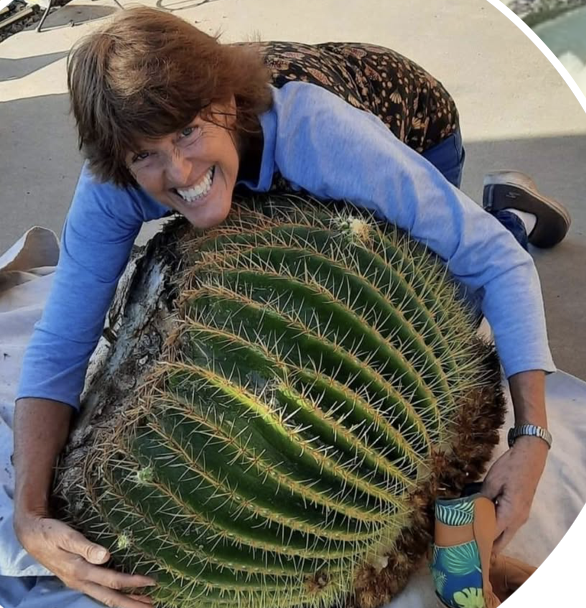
x: 515, y: 190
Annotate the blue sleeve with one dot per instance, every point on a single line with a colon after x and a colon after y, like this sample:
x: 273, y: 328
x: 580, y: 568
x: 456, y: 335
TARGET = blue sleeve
x: 97, y: 238
x: 336, y: 151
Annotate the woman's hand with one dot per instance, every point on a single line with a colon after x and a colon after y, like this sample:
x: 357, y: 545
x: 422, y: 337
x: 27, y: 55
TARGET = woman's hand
x: 511, y: 483
x: 75, y: 560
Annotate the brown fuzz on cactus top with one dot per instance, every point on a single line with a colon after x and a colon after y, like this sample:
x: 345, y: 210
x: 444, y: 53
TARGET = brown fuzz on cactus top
x: 283, y: 399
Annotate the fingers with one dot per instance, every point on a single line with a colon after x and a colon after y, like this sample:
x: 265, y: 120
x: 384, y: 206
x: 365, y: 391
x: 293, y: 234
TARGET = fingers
x: 116, y: 580
x: 82, y: 575
x: 503, y: 519
x: 114, y: 599
x: 505, y: 532
x: 142, y: 598
x: 491, y: 490
x: 77, y: 543
x: 508, y: 522
x: 503, y: 540
x: 103, y: 585
x: 75, y: 560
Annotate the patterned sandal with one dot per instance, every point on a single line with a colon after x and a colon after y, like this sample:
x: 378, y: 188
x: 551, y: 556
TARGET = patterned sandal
x: 461, y: 555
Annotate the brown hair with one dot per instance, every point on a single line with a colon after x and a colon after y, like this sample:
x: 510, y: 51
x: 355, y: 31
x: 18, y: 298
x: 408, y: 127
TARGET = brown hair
x: 147, y: 74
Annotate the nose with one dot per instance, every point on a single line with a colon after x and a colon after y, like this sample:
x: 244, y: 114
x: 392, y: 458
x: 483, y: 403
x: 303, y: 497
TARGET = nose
x: 178, y: 169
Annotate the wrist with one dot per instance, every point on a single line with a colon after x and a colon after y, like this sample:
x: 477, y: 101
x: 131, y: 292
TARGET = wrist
x: 29, y: 497
x: 22, y: 520
x: 24, y: 509
x: 529, y: 431
x: 535, y: 444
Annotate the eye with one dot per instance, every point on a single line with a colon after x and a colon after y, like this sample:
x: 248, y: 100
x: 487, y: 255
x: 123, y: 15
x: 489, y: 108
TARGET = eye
x: 188, y: 132
x: 140, y: 156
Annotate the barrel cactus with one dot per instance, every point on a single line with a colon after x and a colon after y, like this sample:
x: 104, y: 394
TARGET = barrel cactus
x: 283, y: 398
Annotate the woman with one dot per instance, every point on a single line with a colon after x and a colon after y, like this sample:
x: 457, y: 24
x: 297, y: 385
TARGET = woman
x: 170, y: 120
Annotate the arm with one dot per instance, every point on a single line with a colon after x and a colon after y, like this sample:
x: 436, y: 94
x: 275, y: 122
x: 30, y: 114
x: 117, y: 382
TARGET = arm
x: 41, y: 428
x: 95, y: 246
x: 97, y: 238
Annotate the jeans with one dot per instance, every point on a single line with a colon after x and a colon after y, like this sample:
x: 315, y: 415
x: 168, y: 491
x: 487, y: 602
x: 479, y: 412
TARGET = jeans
x: 448, y: 157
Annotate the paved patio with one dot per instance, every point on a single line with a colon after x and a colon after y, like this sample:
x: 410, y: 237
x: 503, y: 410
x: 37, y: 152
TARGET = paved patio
x: 517, y: 112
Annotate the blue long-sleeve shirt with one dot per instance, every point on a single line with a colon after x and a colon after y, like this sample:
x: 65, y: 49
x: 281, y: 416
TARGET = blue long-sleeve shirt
x: 323, y: 145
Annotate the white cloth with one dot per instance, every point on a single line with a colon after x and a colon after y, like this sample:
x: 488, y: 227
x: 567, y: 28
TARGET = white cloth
x: 26, y: 272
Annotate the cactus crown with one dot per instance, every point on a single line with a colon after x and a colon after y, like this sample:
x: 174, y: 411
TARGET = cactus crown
x: 290, y: 435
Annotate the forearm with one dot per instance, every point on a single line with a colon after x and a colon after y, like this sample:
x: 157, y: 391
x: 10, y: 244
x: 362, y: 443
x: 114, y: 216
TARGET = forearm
x: 513, y: 479
x: 528, y: 395
x: 41, y: 428
x: 513, y: 305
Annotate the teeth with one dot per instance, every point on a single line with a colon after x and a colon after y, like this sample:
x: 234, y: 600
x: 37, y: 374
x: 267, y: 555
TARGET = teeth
x: 199, y: 190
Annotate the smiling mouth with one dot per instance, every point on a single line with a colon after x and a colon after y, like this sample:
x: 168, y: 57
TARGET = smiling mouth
x: 198, y: 192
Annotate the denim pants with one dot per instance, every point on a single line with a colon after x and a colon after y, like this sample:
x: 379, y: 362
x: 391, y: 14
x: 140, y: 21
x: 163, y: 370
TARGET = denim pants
x: 448, y: 157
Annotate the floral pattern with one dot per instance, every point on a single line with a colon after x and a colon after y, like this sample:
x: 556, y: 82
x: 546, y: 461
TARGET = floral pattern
x: 439, y: 580
x: 469, y: 598
x: 456, y: 571
x: 461, y: 559
x: 410, y: 101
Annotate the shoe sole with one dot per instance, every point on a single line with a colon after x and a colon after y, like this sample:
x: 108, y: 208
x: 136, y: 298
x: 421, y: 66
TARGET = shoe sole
x: 553, y: 219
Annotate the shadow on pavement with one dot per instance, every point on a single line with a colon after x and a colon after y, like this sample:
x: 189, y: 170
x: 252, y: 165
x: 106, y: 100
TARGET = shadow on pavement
x: 11, y: 69
x: 71, y: 15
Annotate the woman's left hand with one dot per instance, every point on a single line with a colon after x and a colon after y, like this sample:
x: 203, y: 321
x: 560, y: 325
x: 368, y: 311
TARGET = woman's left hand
x: 511, y: 483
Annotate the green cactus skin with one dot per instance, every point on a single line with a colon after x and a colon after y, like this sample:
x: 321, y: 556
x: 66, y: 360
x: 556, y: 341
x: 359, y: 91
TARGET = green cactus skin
x: 318, y: 370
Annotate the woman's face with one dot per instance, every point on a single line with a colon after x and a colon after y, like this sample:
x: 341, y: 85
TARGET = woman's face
x: 193, y: 171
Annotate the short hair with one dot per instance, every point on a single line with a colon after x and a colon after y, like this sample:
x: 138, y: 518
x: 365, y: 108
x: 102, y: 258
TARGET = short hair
x: 147, y: 74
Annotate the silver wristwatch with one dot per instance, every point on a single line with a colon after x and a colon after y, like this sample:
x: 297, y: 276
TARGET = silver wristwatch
x: 531, y: 430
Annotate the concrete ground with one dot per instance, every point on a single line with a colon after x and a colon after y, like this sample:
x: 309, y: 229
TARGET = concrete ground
x: 517, y: 112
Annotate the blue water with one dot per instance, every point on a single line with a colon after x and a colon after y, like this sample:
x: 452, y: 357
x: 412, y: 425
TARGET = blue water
x: 566, y: 33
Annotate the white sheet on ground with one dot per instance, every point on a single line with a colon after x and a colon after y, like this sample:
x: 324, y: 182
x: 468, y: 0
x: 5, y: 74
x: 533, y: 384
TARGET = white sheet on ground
x: 25, y: 279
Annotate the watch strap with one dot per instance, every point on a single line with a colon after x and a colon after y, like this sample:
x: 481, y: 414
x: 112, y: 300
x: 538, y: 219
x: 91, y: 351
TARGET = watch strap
x: 529, y: 430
